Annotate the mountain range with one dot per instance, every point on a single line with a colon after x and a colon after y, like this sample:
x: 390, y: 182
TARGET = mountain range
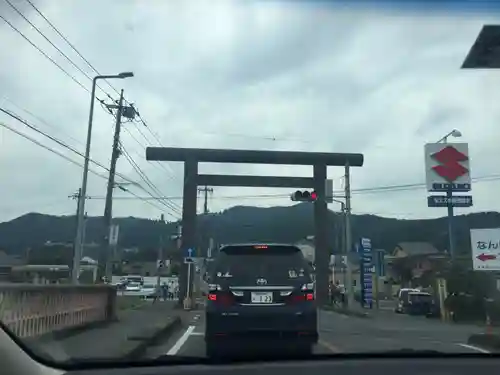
x: 246, y: 223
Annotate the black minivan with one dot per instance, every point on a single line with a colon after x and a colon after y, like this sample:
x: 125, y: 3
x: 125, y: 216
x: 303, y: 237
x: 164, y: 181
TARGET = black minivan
x: 260, y: 293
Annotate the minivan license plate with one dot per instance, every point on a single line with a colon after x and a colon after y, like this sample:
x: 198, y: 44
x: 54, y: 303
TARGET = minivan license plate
x: 262, y: 297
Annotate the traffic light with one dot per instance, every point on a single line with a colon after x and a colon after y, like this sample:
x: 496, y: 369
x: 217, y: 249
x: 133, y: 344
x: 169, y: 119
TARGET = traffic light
x: 304, y: 196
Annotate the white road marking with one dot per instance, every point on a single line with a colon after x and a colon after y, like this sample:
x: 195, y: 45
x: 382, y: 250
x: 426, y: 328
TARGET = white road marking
x: 477, y: 349
x: 182, y: 340
x: 197, y: 334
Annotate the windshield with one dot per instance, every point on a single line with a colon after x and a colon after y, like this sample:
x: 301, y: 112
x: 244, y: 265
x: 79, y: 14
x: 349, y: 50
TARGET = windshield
x: 248, y: 177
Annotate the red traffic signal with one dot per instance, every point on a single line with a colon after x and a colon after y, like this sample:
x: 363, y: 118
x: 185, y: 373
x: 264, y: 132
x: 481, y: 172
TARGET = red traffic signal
x: 304, y: 196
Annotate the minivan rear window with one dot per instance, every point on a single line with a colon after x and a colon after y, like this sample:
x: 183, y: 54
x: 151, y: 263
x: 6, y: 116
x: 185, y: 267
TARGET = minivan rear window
x: 277, y: 264
x: 260, y: 250
x: 420, y: 297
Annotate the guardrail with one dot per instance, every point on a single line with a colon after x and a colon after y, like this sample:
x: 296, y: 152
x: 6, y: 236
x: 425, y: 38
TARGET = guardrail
x: 30, y: 310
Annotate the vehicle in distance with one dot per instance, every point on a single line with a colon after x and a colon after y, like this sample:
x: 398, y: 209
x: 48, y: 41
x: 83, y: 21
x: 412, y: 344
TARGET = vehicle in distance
x: 148, y: 290
x: 260, y: 294
x: 403, y: 300
x: 133, y: 287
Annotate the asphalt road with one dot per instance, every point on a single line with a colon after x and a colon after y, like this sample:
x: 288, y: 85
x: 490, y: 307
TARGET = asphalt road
x: 345, y: 334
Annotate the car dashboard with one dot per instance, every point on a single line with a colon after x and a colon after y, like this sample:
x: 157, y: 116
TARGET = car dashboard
x: 16, y: 361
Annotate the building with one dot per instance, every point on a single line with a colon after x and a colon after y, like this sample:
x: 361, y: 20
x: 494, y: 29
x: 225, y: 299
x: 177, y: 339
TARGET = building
x: 7, y: 263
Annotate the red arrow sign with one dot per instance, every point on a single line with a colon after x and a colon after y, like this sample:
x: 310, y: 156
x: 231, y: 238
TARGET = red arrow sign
x: 484, y: 257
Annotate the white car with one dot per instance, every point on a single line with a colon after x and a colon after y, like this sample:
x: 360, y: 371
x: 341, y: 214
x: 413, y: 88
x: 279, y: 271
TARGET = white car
x: 133, y: 287
x: 148, y: 290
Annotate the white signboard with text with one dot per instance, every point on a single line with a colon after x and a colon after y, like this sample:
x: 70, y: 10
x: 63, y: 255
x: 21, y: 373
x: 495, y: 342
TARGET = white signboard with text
x: 485, y: 246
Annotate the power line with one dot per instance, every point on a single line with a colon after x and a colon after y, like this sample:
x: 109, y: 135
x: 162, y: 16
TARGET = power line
x: 141, y: 119
x: 171, y: 205
x: 378, y: 189
x: 48, y: 148
x: 71, y: 149
x: 58, y: 141
x: 264, y: 196
x: 41, y: 120
x: 69, y: 43
x: 52, y: 44
x: 148, y: 182
x: 44, y: 54
x: 75, y: 163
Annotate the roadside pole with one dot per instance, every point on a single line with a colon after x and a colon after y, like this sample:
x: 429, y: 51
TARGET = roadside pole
x: 105, y: 264
x: 188, y: 298
x: 188, y: 290
x: 348, y: 237
x: 160, y: 263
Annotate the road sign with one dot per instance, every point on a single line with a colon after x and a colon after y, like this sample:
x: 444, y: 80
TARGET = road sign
x: 189, y: 253
x: 454, y: 201
x: 485, y: 245
x: 447, y: 166
x: 188, y: 260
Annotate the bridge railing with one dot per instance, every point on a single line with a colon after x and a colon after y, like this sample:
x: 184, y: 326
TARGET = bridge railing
x: 30, y: 310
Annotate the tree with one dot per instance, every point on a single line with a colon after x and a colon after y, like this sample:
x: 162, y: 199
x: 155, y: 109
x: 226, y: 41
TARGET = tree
x: 403, y: 267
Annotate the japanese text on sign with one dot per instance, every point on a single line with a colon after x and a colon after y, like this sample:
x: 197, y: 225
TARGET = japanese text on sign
x: 490, y: 245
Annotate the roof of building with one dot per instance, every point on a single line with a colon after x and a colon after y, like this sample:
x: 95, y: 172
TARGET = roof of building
x: 416, y: 248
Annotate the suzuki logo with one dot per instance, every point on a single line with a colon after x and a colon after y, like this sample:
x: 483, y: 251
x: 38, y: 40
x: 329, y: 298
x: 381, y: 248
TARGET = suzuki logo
x: 261, y: 281
x: 449, y: 159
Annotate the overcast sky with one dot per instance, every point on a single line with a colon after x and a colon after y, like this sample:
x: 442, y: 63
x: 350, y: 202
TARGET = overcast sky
x: 241, y: 74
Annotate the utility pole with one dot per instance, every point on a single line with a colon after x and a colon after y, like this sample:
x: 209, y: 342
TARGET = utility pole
x: 348, y: 237
x: 205, y: 190
x: 160, y: 263
x: 105, y: 267
x: 206, y: 240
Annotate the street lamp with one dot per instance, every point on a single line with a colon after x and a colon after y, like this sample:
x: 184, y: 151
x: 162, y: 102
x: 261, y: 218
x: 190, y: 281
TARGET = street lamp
x: 454, y: 133
x: 81, y: 201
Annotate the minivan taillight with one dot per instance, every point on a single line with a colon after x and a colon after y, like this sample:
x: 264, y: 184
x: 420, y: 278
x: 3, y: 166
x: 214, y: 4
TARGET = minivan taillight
x: 218, y: 296
x: 302, y: 297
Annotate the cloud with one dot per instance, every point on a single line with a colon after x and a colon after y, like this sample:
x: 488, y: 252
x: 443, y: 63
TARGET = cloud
x: 310, y: 76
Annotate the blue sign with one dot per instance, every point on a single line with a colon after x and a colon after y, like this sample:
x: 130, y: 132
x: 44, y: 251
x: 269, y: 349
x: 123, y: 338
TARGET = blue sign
x: 366, y: 259
x: 189, y: 253
x: 454, y: 201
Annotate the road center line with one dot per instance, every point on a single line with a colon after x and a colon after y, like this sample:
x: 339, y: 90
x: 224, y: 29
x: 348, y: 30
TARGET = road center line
x: 182, y: 340
x: 475, y: 348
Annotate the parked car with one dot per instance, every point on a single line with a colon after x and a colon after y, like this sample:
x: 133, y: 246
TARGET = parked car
x: 133, y: 287
x: 402, y: 300
x: 148, y: 290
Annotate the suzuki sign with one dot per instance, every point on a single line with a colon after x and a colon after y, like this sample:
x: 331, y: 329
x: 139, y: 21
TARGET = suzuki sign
x: 447, y: 166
